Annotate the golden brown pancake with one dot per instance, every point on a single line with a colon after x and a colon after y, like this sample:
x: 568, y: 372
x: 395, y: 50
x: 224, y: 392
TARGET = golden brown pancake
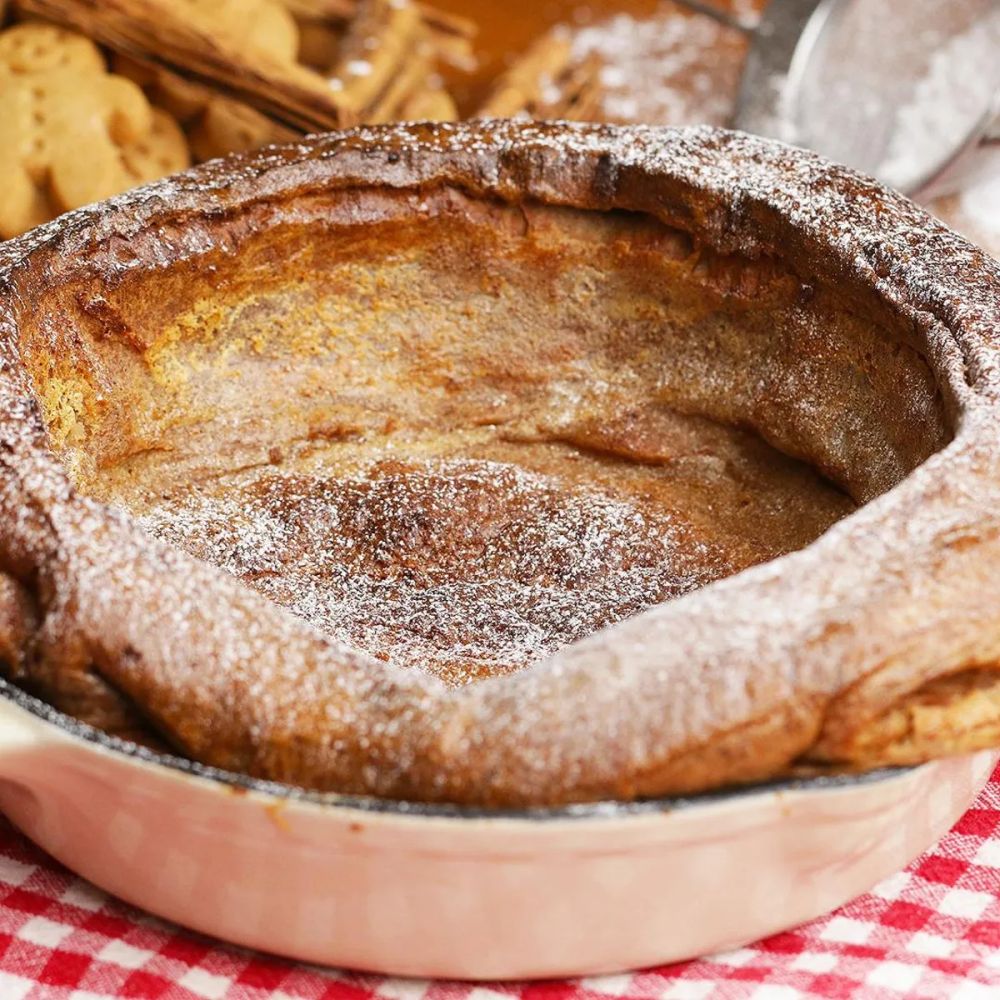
x: 505, y: 464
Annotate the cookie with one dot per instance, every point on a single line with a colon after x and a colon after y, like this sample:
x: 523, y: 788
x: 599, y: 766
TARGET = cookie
x: 23, y: 204
x: 227, y: 126
x: 263, y: 27
x: 70, y: 132
x: 181, y: 98
x: 433, y: 104
x: 86, y: 120
x: 163, y: 151
x: 41, y: 48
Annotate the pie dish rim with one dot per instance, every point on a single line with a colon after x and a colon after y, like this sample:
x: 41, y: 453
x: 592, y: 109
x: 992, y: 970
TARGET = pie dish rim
x: 605, y: 809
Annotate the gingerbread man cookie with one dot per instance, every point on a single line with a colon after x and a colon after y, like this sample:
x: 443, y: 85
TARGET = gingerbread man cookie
x: 71, y: 133
x: 163, y: 151
x: 258, y: 27
x: 227, y: 126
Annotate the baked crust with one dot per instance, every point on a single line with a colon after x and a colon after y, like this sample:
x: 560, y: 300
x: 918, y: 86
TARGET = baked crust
x: 851, y: 331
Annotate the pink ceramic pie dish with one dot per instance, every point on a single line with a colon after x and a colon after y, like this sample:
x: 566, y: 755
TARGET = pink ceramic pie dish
x: 840, y: 643
x: 410, y: 889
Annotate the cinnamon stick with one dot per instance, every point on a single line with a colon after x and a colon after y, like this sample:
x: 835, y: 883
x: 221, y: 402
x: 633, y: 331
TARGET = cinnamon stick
x: 386, y: 59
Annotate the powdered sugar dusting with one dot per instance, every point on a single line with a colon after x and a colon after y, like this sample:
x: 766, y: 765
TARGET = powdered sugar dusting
x: 947, y: 103
x: 671, y: 68
x: 463, y: 568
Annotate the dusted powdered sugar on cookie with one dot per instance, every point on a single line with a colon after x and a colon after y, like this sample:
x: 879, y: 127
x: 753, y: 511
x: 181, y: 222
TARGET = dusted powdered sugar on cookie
x: 671, y: 67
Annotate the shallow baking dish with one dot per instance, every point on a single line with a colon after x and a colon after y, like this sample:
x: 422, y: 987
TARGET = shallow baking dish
x: 412, y: 889
x: 543, y: 823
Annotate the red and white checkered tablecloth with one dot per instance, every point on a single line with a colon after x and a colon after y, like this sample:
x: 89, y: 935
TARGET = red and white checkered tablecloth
x: 930, y: 932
